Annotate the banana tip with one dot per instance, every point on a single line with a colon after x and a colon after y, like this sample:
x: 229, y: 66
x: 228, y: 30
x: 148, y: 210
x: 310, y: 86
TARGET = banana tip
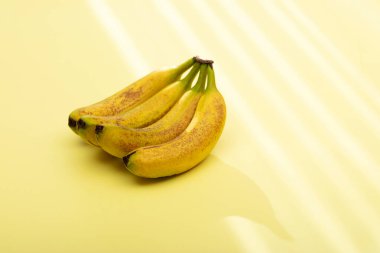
x: 126, y: 158
x: 98, y: 129
x: 72, y: 123
x: 81, y: 124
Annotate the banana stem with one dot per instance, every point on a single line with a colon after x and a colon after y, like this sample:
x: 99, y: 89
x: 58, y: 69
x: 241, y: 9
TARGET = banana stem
x: 185, y: 66
x: 211, y: 85
x: 200, y: 60
x: 202, y: 78
x: 190, y: 77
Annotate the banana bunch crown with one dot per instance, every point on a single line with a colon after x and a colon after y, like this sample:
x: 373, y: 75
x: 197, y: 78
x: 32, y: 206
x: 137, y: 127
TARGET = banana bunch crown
x: 167, y: 128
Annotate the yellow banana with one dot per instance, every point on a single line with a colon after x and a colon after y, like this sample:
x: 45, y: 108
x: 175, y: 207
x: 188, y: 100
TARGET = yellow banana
x: 142, y: 115
x: 190, y: 147
x: 119, y: 141
x: 132, y: 95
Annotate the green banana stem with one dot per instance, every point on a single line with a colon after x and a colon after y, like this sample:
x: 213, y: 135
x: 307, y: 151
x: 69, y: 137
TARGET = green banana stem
x: 201, y: 79
x: 188, y: 80
x: 211, y: 85
x: 185, y: 66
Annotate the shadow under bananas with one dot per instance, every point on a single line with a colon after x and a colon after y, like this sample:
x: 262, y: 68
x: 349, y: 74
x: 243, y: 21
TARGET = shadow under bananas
x: 99, y: 158
x: 213, y: 190
x: 195, y: 203
x: 113, y: 163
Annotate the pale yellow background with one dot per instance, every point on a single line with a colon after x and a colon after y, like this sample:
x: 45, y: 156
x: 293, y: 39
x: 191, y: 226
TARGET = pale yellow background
x: 297, y: 168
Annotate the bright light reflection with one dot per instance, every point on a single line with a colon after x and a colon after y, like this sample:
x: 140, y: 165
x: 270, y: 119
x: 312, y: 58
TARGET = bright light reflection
x: 339, y: 133
x: 345, y: 90
x: 352, y: 98
x: 332, y: 169
x: 371, y: 90
x: 249, y: 240
x: 299, y: 188
x: 127, y: 48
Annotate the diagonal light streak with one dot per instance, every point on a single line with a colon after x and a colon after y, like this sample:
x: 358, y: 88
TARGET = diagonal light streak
x: 126, y: 46
x: 249, y: 240
x: 352, y: 98
x: 369, y: 88
x: 217, y: 27
x: 300, y: 189
x: 310, y: 141
x: 357, y: 153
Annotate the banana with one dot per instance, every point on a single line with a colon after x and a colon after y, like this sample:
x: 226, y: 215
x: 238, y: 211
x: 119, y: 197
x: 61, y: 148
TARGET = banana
x: 132, y: 95
x: 119, y: 141
x: 142, y: 115
x: 190, y: 147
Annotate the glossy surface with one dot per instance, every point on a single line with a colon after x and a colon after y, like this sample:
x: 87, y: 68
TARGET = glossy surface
x: 297, y: 168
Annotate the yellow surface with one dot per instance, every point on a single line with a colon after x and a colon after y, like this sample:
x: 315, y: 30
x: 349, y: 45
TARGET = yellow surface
x: 297, y: 168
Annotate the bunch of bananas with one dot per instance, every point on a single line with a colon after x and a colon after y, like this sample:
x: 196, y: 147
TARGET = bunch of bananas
x: 162, y: 124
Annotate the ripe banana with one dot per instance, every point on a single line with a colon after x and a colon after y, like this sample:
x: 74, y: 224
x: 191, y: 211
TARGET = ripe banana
x: 190, y: 147
x: 132, y: 95
x: 119, y: 140
x: 142, y: 115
